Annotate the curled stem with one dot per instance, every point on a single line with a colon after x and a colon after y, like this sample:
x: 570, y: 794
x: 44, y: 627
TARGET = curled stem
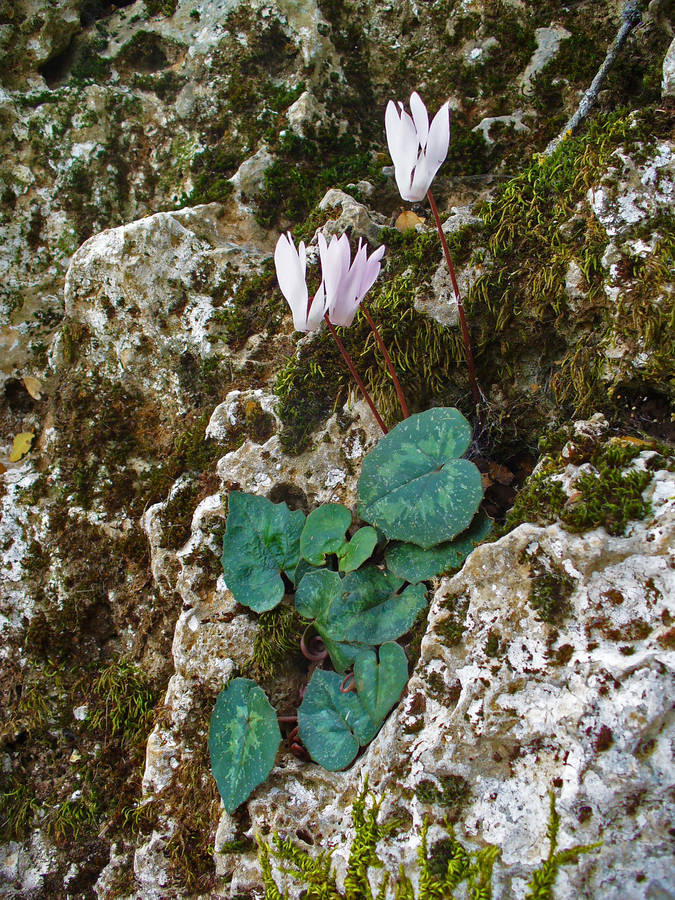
x: 460, y: 308
x: 352, y: 368
x: 388, y: 362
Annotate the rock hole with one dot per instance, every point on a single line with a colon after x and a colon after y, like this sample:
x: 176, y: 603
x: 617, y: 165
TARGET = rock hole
x: 55, y: 70
x: 93, y: 10
x: 17, y: 397
x: 290, y: 494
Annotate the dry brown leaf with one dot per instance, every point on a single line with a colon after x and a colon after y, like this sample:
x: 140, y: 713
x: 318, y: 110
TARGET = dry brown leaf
x: 407, y: 220
x: 33, y: 387
x: 21, y: 445
x: 2, y: 469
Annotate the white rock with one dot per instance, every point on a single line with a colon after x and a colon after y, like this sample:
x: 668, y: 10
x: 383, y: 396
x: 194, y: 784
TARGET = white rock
x: 548, y: 42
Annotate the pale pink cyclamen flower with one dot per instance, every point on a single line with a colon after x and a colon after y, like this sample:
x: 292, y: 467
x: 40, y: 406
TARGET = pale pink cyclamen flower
x: 416, y: 149
x: 343, y: 284
x: 291, y: 265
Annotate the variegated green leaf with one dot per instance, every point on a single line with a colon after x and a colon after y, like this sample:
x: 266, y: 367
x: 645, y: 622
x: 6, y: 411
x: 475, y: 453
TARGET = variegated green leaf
x: 415, y: 564
x: 331, y: 724
x: 324, y: 532
x: 379, y: 684
x: 262, y: 540
x: 414, y: 487
x: 243, y: 740
x: 358, y: 550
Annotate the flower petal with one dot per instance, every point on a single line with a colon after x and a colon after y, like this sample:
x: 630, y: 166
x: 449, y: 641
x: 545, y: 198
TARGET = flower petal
x: 370, y: 272
x: 439, y: 136
x: 317, y: 310
x: 424, y: 175
x: 290, y: 267
x: 420, y: 117
x: 401, y: 139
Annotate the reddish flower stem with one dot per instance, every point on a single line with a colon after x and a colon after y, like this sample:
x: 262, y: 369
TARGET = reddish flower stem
x: 357, y: 377
x: 388, y: 362
x: 460, y: 308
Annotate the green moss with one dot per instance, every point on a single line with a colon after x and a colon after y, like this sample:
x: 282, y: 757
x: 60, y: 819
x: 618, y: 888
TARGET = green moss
x: 303, y: 170
x: 124, y: 702
x: 278, y: 636
x: 89, y: 64
x: 452, y: 627
x: 543, y: 879
x: 444, y: 868
x: 453, y: 794
x: 609, y: 497
x: 161, y: 7
x: 550, y: 589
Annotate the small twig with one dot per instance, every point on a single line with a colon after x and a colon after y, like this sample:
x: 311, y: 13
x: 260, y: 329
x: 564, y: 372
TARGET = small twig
x: 388, y: 362
x: 352, y: 368
x: 630, y: 17
x: 460, y: 307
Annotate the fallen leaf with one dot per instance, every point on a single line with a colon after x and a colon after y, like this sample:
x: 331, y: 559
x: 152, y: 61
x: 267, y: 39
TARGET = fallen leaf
x: 21, y: 445
x: 407, y: 220
x: 33, y: 386
x: 2, y: 469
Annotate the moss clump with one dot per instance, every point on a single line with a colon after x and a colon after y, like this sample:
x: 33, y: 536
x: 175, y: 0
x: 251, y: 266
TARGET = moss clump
x: 124, y: 702
x: 452, y: 628
x: 453, y: 794
x: 305, y: 167
x: 609, y: 497
x: 443, y: 868
x: 605, y: 496
x: 550, y: 589
x: 278, y: 636
x: 161, y: 7
x: 102, y: 753
x: 256, y: 305
x: 89, y: 64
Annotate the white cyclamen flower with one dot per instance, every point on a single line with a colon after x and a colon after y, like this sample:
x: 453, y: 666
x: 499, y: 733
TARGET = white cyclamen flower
x: 416, y: 149
x: 344, y: 286
x: 291, y: 265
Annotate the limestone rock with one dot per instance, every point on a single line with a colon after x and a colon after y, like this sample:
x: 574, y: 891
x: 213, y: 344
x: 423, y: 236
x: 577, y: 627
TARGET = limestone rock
x: 548, y: 41
x: 516, y: 707
x: 363, y: 222
x: 152, y: 284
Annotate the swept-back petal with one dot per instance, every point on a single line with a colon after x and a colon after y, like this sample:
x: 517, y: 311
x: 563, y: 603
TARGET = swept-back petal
x: 439, y: 136
x: 290, y: 266
x: 420, y: 117
x: 424, y: 175
x: 335, y: 259
x: 370, y: 272
x: 317, y: 310
x: 401, y: 137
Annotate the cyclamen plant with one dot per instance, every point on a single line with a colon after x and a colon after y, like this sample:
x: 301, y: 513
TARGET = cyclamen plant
x: 418, y: 151
x: 358, y: 594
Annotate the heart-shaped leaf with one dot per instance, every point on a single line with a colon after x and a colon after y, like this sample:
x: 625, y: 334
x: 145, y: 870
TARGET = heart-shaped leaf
x: 380, y: 684
x: 316, y: 592
x: 324, y: 532
x: 243, y: 740
x: 262, y: 539
x: 415, y: 564
x: 343, y: 655
x: 331, y: 724
x: 369, y: 610
x: 413, y: 485
x: 358, y: 549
